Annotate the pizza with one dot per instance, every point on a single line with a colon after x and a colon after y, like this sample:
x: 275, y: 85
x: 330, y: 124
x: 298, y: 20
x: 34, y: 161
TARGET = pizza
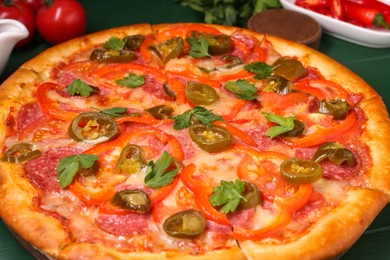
x: 190, y: 141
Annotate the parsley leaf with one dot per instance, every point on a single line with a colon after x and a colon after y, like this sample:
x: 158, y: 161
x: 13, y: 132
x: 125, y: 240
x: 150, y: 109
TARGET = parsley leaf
x: 114, y: 111
x: 156, y: 176
x: 284, y: 124
x: 198, y: 48
x: 114, y: 43
x: 242, y: 89
x: 79, y: 87
x: 229, y: 12
x: 132, y: 81
x: 205, y: 116
x: 227, y: 195
x: 69, y: 166
x: 261, y: 69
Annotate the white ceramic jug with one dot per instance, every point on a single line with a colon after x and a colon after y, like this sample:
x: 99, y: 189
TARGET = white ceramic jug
x: 11, y: 32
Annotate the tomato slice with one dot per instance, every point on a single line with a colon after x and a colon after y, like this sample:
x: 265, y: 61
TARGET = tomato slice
x: 79, y: 69
x: 42, y: 127
x: 110, y: 73
x: 54, y: 108
x: 278, y: 104
x: 89, y: 194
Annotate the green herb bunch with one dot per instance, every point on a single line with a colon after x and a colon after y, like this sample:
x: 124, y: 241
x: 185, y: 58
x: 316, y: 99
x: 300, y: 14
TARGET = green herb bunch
x: 229, y: 12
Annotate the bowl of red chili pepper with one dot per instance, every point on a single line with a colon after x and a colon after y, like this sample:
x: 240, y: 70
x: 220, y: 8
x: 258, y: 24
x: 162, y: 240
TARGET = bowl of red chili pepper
x: 363, y: 22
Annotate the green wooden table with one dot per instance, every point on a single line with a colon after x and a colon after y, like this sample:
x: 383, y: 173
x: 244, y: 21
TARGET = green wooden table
x: 371, y: 64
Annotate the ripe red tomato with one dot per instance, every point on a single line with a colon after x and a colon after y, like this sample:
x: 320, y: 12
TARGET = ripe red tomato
x: 18, y: 10
x: 34, y: 4
x: 61, y: 21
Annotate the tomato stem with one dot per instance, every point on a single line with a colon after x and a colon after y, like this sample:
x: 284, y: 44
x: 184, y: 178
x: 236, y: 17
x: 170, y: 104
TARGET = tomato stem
x: 8, y: 2
x: 48, y: 3
x: 379, y: 20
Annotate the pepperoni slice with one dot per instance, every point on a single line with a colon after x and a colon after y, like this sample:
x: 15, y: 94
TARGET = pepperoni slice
x: 41, y: 171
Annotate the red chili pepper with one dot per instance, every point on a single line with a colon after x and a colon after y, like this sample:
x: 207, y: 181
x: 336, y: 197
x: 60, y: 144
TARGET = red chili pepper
x: 312, y: 3
x: 366, y: 16
x: 372, y: 4
x: 336, y: 9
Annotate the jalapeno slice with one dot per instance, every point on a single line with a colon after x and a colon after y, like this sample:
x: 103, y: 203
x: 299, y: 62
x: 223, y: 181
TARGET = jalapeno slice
x: 218, y: 43
x: 290, y: 69
x: 169, y: 49
x: 277, y: 84
x: 251, y: 196
x: 300, y: 171
x: 160, y: 111
x: 134, y: 200
x: 338, y: 108
x: 169, y: 92
x: 131, y: 160
x: 200, y: 94
x: 211, y: 139
x: 298, y: 129
x: 21, y: 152
x: 133, y: 42
x: 92, y: 127
x: 231, y: 61
x: 89, y: 171
x: 334, y: 152
x: 112, y: 56
x: 185, y: 224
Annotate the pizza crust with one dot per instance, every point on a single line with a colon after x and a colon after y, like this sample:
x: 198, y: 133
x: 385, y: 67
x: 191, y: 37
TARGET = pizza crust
x: 16, y: 198
x: 45, y: 61
x: 327, y: 239
x: 100, y: 252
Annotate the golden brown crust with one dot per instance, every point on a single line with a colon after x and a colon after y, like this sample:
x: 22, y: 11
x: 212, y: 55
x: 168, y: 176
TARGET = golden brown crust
x: 328, y: 237
x: 45, y: 61
x: 17, y: 210
x: 357, y: 210
x: 99, y: 252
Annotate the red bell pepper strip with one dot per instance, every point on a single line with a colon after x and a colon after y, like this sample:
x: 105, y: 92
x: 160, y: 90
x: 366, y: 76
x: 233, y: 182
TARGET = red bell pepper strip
x: 281, y: 219
x: 124, y: 139
x: 286, y: 206
x: 322, y: 135
x: 336, y: 9
x: 312, y: 3
x: 184, y: 31
x: 372, y: 4
x: 163, y: 192
x: 145, y: 119
x: 201, y: 191
x: 367, y: 16
x: 236, y: 132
